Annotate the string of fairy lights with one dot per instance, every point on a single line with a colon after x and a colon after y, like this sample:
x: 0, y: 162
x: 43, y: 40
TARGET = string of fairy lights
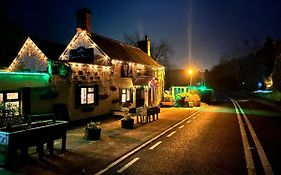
x: 81, y: 38
x: 29, y: 48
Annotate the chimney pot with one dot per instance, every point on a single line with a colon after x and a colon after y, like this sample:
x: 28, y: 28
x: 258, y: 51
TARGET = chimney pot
x: 144, y: 45
x: 83, y: 17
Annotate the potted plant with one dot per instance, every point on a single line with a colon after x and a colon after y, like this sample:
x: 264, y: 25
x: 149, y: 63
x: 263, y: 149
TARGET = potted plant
x: 92, y: 131
x: 127, y: 121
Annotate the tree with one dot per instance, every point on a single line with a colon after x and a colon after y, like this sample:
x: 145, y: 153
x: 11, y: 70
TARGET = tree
x: 276, y: 74
x: 160, y: 52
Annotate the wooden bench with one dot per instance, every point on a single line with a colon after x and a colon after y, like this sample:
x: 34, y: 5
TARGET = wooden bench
x: 147, y: 114
x: 41, y: 129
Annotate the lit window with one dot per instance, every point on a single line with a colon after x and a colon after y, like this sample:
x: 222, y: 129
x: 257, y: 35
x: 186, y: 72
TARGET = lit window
x: 11, y: 102
x: 87, y: 95
x: 12, y: 96
x: 1, y: 97
x: 90, y: 99
x: 128, y: 95
x: 13, y: 106
x: 83, y: 95
x: 125, y: 95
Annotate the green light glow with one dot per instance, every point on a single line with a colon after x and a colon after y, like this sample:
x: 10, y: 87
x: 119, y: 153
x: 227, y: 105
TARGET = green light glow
x: 50, y: 67
x: 24, y: 73
x: 248, y: 112
x: 16, y: 80
x: 202, y: 88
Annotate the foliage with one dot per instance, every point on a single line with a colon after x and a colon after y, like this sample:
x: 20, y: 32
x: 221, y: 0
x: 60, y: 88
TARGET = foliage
x: 274, y: 96
x: 276, y: 78
x: 243, y: 68
x: 182, y: 99
x: 161, y: 52
x: 127, y: 115
x: 93, y: 125
x: 9, y: 115
x: 168, y: 96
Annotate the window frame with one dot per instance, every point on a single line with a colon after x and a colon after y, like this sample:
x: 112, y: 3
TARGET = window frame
x: 5, y: 99
x: 127, y: 95
x: 90, y: 96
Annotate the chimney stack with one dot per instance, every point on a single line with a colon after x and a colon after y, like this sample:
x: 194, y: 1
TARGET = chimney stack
x: 83, y: 17
x: 144, y: 45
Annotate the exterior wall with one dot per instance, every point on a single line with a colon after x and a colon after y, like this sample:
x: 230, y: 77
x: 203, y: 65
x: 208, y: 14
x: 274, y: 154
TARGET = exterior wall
x: 54, y: 88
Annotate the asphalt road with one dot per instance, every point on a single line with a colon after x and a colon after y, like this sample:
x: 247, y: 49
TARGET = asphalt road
x: 210, y: 142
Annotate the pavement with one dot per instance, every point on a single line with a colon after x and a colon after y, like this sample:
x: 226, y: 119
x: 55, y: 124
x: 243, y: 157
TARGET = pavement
x: 88, y: 157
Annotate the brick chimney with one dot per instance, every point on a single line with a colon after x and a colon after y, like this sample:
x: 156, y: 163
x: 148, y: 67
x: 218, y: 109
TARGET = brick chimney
x: 83, y: 18
x: 144, y: 45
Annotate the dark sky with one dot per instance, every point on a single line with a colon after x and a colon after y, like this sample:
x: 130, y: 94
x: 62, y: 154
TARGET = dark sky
x: 215, y: 26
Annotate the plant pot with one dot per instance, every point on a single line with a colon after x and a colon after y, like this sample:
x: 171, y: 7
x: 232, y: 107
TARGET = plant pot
x: 92, y: 134
x: 127, y: 124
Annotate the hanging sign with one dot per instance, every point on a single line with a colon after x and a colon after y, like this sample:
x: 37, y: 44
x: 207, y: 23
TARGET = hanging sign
x: 82, y: 55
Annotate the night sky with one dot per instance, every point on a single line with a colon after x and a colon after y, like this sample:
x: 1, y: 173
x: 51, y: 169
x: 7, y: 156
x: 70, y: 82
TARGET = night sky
x: 215, y: 26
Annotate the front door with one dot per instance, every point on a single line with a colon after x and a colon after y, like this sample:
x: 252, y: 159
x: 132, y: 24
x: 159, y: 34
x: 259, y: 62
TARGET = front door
x: 140, y: 97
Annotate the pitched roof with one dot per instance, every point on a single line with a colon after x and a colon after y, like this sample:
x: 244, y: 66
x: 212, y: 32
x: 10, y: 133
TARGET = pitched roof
x: 52, y: 50
x: 114, y: 49
x: 123, y: 52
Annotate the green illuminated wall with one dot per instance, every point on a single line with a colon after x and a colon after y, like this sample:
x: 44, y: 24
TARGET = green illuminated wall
x: 16, y: 80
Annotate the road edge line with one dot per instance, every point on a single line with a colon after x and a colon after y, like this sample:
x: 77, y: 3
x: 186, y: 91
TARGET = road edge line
x: 248, y: 155
x: 264, y: 160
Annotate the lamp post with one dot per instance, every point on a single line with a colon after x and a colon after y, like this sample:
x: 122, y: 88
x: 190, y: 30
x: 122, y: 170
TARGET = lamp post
x: 190, y: 72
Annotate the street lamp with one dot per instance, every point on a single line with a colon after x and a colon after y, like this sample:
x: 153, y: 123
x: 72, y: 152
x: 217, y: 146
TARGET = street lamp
x: 190, y: 72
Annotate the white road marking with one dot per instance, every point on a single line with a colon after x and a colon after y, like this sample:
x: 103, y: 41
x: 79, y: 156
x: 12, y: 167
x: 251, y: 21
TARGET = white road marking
x: 265, y: 163
x: 155, y: 145
x: 194, y: 118
x: 146, y: 143
x: 188, y: 121
x: 248, y: 155
x: 172, y: 133
x: 128, y: 165
x: 181, y: 126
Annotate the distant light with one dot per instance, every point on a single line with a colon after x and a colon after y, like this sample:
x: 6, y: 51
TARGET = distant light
x: 259, y: 84
x: 190, y: 71
x: 202, y: 88
x: 263, y: 91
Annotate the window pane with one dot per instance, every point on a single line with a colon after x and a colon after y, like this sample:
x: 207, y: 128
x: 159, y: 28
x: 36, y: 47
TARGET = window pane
x: 91, y: 89
x: 12, y: 108
x: 83, y: 95
x: 123, y: 91
x: 90, y: 98
x: 123, y: 98
x: 1, y: 97
x: 128, y: 94
x: 12, y: 96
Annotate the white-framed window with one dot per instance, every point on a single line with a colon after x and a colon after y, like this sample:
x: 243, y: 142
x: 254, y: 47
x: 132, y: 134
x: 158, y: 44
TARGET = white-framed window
x: 87, y: 95
x: 11, y: 101
x: 125, y: 95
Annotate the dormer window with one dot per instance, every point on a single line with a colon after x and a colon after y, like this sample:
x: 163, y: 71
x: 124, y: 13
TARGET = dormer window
x: 125, y: 70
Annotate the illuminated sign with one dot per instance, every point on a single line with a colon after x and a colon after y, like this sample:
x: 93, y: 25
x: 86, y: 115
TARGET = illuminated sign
x: 82, y: 55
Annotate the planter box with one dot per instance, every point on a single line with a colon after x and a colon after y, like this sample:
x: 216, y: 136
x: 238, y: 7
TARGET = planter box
x: 92, y: 134
x: 167, y: 103
x: 127, y: 124
x: 20, y: 138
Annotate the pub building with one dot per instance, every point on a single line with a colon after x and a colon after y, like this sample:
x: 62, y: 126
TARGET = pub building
x: 91, y: 76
